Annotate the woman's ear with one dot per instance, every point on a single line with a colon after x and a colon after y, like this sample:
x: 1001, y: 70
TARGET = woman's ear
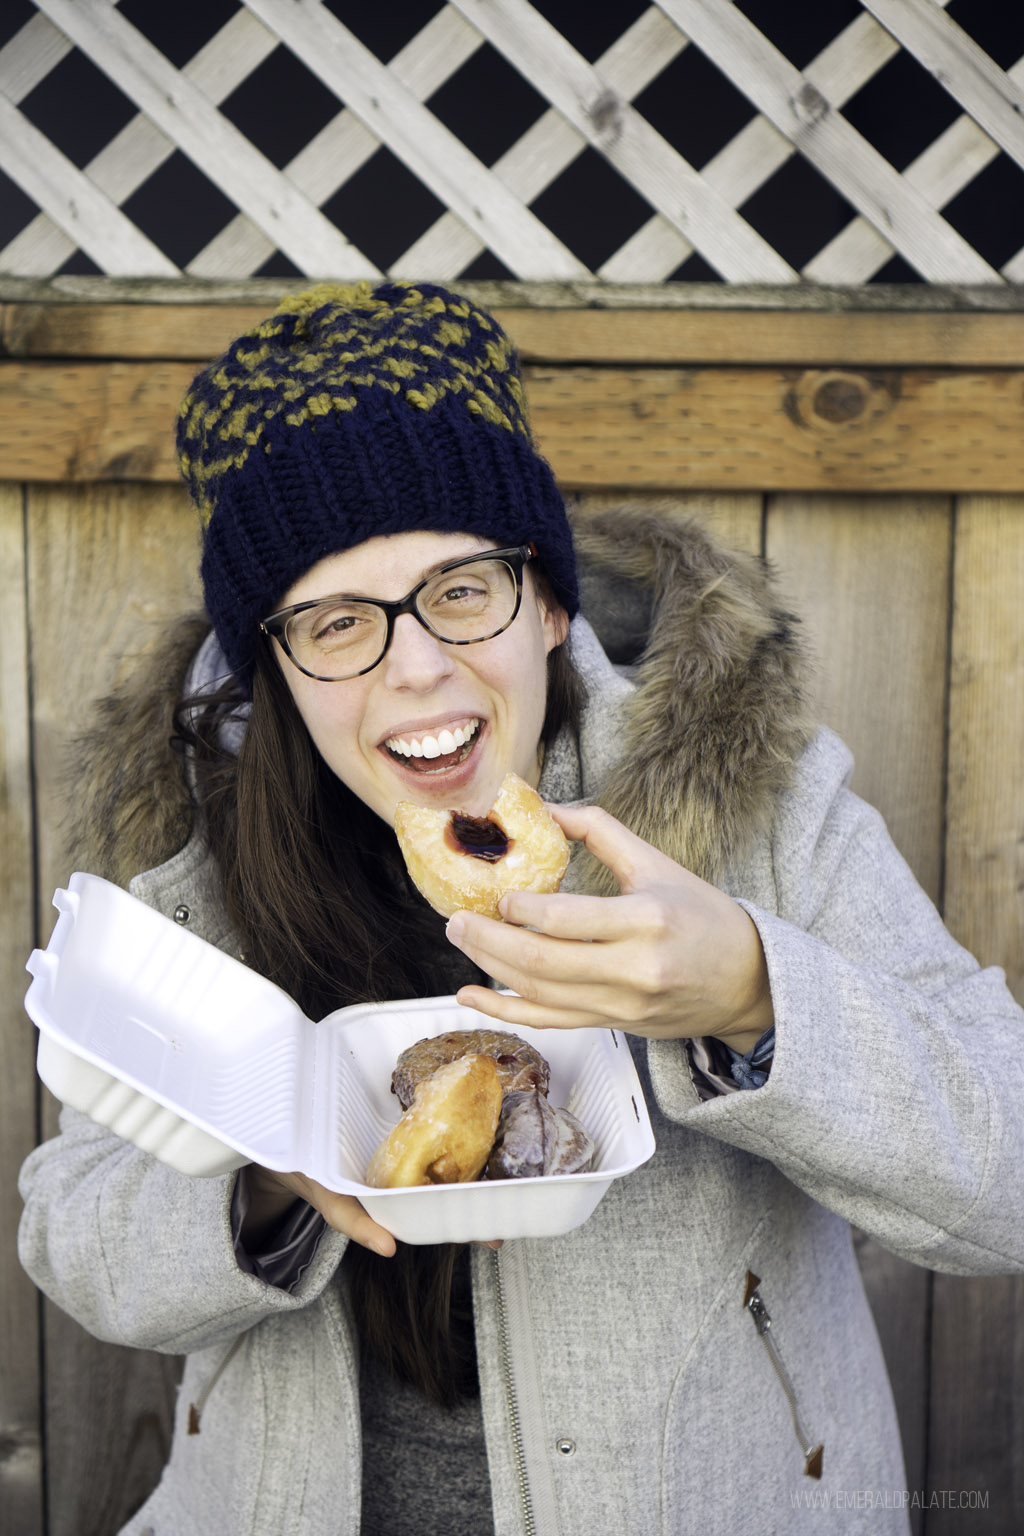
x: 554, y: 618
x: 556, y: 624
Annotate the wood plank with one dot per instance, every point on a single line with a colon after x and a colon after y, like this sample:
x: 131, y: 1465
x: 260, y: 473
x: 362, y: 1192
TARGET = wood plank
x: 977, y: 1422
x: 107, y: 566
x: 648, y: 162
x: 976, y: 1430
x: 176, y: 105
x: 869, y: 577
x: 652, y: 429
x: 97, y: 421
x: 985, y: 841
x: 630, y: 334
x: 21, y: 1471
x: 765, y: 429
x: 434, y: 154
x: 870, y: 580
x: 830, y: 142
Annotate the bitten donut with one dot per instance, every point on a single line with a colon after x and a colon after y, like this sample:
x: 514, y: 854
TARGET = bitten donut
x: 447, y: 1134
x: 520, y: 1066
x: 467, y: 863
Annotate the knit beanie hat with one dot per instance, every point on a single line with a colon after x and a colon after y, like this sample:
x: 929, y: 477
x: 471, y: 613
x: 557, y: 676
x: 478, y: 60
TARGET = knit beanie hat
x: 355, y: 411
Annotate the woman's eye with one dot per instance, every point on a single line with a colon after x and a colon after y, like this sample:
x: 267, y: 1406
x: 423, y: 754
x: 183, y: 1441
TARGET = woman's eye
x: 460, y: 594
x: 333, y: 626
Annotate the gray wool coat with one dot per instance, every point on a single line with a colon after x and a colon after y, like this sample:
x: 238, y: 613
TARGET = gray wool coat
x: 629, y: 1380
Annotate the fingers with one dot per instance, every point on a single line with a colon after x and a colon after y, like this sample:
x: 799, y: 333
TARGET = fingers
x: 632, y: 861
x: 508, y: 1008
x: 345, y: 1214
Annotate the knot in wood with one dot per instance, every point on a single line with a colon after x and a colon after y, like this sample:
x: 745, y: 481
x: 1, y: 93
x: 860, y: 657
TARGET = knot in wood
x: 831, y: 401
x: 839, y: 399
x: 605, y: 112
x: 809, y: 104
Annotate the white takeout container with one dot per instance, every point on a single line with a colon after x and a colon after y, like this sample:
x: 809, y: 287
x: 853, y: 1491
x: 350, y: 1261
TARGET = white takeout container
x: 188, y: 1053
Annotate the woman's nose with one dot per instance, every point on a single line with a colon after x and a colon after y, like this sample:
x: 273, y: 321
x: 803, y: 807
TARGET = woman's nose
x: 414, y: 658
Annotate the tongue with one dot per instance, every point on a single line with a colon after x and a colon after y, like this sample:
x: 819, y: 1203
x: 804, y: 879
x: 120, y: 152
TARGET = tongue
x: 433, y: 764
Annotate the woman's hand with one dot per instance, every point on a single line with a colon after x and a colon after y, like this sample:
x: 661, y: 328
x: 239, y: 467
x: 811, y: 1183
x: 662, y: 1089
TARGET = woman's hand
x: 271, y: 1194
x: 671, y: 956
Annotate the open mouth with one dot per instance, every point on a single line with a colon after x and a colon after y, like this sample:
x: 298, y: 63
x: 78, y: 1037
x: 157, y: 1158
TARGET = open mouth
x: 434, y: 753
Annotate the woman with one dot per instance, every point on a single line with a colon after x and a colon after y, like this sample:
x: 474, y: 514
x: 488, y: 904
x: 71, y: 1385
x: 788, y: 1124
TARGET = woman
x: 814, y: 1048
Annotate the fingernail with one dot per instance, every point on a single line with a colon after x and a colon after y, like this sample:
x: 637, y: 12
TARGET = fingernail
x: 456, y: 928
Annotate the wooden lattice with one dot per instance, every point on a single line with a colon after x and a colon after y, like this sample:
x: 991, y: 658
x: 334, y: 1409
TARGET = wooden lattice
x: 488, y: 207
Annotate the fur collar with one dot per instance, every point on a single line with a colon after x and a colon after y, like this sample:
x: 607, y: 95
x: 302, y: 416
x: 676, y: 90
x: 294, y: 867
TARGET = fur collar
x: 713, y: 729
x: 719, y: 717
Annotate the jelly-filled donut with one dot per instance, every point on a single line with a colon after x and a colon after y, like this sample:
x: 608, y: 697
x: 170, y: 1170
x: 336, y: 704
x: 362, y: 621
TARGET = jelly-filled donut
x: 447, y: 1134
x: 467, y: 863
x: 519, y: 1065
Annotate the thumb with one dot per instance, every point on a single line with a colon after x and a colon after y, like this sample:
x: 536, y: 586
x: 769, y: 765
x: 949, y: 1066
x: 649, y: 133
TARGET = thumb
x: 634, y: 863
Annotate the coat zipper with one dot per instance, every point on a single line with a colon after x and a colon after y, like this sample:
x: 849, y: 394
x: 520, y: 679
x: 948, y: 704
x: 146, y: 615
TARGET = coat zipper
x: 754, y: 1303
x: 195, y: 1410
x: 512, y: 1404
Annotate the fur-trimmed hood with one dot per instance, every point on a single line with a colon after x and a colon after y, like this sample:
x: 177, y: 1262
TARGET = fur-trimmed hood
x: 713, y: 730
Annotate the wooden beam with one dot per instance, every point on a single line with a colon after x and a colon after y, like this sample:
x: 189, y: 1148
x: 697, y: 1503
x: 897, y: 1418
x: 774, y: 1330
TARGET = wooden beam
x: 645, y: 428
x: 21, y: 1469
x: 548, y: 334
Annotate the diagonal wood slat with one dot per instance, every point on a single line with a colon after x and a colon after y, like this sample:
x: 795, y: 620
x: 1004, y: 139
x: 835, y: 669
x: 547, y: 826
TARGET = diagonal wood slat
x: 972, y: 78
x: 435, y: 155
x: 942, y: 170
x: 223, y: 154
x: 490, y: 208
x: 627, y: 140
x: 549, y: 145
x: 754, y: 155
x: 90, y: 219
x: 28, y: 57
x: 757, y: 151
x: 140, y: 148
x: 829, y: 142
x: 345, y: 144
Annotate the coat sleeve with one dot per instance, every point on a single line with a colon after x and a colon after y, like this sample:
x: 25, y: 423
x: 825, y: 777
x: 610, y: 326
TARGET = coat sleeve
x: 896, y: 1089
x: 140, y: 1254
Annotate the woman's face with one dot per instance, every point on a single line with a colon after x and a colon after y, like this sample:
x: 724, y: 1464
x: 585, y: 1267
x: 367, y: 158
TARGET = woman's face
x: 422, y: 687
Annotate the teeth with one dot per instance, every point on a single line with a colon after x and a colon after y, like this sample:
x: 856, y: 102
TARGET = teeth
x: 433, y: 746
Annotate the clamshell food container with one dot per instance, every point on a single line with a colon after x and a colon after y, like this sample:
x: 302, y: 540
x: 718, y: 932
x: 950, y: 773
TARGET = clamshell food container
x: 188, y: 1053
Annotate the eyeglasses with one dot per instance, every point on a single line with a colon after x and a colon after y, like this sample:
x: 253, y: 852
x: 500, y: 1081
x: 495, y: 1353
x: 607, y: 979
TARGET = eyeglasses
x: 472, y: 599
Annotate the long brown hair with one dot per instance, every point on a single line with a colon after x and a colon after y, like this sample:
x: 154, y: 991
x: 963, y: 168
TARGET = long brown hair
x: 318, y: 891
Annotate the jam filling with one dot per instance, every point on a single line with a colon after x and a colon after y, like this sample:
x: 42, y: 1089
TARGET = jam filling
x: 477, y: 836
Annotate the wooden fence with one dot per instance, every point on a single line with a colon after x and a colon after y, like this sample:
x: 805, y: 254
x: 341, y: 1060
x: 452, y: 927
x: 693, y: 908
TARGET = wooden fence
x: 867, y: 439
x: 874, y: 453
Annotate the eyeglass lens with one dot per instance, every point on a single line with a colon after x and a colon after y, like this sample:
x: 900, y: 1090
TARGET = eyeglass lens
x: 341, y: 636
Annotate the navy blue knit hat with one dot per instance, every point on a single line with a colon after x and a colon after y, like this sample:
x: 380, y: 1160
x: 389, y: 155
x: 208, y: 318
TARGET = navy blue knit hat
x: 351, y: 412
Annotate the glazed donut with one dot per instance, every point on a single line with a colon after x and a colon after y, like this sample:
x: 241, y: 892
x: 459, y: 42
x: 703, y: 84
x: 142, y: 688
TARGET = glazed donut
x: 447, y: 1134
x: 520, y: 1066
x: 467, y: 863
